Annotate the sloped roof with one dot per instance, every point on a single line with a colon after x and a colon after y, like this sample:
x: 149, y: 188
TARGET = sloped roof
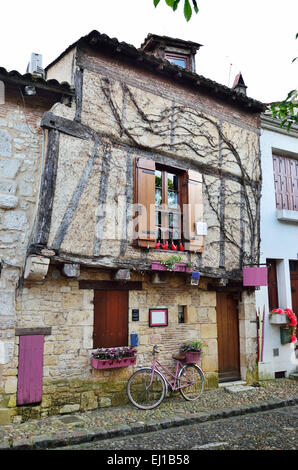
x: 153, y: 39
x: 27, y: 79
x: 163, y: 67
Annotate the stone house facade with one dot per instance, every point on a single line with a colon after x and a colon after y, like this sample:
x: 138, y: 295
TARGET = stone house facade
x: 139, y: 152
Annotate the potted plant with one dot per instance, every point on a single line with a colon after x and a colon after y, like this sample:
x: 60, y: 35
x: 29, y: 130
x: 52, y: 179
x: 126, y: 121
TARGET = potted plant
x: 192, y: 351
x: 108, y: 358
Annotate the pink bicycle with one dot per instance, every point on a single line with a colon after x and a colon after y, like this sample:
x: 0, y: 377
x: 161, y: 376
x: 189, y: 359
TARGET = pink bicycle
x: 147, y: 387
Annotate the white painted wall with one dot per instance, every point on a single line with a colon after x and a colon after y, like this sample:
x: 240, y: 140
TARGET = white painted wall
x: 279, y: 240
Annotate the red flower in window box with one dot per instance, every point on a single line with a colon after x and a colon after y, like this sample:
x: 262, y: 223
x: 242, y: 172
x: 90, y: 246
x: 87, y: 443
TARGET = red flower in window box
x: 291, y: 321
x: 278, y: 310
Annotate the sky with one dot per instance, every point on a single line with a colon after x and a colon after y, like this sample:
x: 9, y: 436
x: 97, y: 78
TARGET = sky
x: 256, y: 37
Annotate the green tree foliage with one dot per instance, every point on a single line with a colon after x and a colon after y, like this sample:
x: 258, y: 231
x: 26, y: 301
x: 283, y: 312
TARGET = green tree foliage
x: 188, y: 6
x: 287, y: 110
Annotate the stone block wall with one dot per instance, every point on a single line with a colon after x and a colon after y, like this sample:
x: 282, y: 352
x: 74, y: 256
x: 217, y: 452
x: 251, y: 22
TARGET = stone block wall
x: 21, y: 159
x: 69, y: 382
x: 21, y: 142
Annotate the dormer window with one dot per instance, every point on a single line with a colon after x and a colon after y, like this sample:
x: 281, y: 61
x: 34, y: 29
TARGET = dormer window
x: 176, y: 51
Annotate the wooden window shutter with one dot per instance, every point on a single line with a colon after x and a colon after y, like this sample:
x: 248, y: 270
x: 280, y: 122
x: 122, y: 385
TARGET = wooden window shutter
x: 145, y: 233
x: 192, y: 199
x: 283, y: 182
x: 294, y: 172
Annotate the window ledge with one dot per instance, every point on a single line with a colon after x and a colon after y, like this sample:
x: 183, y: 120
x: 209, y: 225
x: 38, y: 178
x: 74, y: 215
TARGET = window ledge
x: 286, y: 215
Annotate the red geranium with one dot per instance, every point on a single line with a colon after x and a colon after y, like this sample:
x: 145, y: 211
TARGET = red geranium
x: 277, y: 310
x: 293, y: 339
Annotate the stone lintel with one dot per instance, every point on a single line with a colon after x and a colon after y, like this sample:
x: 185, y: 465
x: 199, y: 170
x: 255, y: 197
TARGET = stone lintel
x: 47, y: 330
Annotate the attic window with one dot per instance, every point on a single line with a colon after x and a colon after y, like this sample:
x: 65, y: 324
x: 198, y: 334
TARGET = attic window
x: 178, y: 59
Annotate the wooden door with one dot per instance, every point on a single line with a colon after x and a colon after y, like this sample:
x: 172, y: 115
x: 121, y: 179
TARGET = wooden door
x: 110, y: 318
x: 30, y: 369
x: 228, y: 337
x: 294, y: 285
x: 272, y: 284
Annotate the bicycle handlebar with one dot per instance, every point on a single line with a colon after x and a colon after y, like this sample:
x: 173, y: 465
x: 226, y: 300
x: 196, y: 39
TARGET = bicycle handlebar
x: 154, y: 350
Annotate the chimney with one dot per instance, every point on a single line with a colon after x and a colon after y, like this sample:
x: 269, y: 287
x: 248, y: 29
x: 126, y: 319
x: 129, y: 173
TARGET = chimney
x: 35, y: 66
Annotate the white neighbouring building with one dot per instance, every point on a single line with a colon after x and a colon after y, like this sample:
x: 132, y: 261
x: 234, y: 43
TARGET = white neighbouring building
x: 279, y: 242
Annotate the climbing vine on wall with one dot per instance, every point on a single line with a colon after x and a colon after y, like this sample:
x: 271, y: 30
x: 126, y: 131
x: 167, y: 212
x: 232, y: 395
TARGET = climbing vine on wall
x: 226, y: 154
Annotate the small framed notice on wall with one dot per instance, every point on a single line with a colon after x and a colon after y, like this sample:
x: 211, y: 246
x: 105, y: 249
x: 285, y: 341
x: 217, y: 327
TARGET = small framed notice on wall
x: 158, y: 317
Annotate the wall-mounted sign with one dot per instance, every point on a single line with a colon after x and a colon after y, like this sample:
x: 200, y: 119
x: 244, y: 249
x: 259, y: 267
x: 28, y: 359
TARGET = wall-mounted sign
x: 135, y: 314
x: 158, y: 317
x: 255, y: 276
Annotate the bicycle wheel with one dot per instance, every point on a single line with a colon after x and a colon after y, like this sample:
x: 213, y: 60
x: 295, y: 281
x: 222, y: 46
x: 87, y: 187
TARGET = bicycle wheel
x: 192, y: 374
x: 141, y: 393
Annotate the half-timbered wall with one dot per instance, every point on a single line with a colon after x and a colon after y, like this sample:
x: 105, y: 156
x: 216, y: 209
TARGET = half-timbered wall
x: 122, y: 114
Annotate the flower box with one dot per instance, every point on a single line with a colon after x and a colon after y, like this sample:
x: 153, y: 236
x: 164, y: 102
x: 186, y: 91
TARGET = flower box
x: 113, y: 363
x: 192, y: 357
x: 179, y: 267
x: 278, y: 319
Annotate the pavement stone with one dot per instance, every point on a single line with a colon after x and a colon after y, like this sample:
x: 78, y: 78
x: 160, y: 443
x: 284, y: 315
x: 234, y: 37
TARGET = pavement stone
x: 107, y: 423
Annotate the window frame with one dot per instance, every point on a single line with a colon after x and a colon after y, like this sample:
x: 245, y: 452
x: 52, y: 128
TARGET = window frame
x: 164, y: 209
x: 174, y: 55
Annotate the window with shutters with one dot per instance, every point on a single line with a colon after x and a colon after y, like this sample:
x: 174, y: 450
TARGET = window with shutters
x: 286, y: 182
x: 169, y: 203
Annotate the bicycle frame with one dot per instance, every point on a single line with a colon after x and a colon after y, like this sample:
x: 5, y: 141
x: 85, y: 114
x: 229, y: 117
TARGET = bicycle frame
x: 173, y: 385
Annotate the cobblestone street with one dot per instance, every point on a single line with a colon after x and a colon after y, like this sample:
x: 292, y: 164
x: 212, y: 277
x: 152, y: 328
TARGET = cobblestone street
x: 268, y: 430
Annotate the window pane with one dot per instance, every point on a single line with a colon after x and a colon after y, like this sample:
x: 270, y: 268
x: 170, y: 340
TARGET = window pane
x: 176, y: 61
x: 158, y: 197
x: 157, y: 179
x: 181, y: 314
x: 173, y: 199
x: 172, y: 182
x: 158, y: 188
x: 176, y: 234
x: 158, y: 218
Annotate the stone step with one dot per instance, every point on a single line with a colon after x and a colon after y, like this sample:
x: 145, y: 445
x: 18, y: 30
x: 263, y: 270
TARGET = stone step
x: 231, y: 384
x: 238, y: 388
